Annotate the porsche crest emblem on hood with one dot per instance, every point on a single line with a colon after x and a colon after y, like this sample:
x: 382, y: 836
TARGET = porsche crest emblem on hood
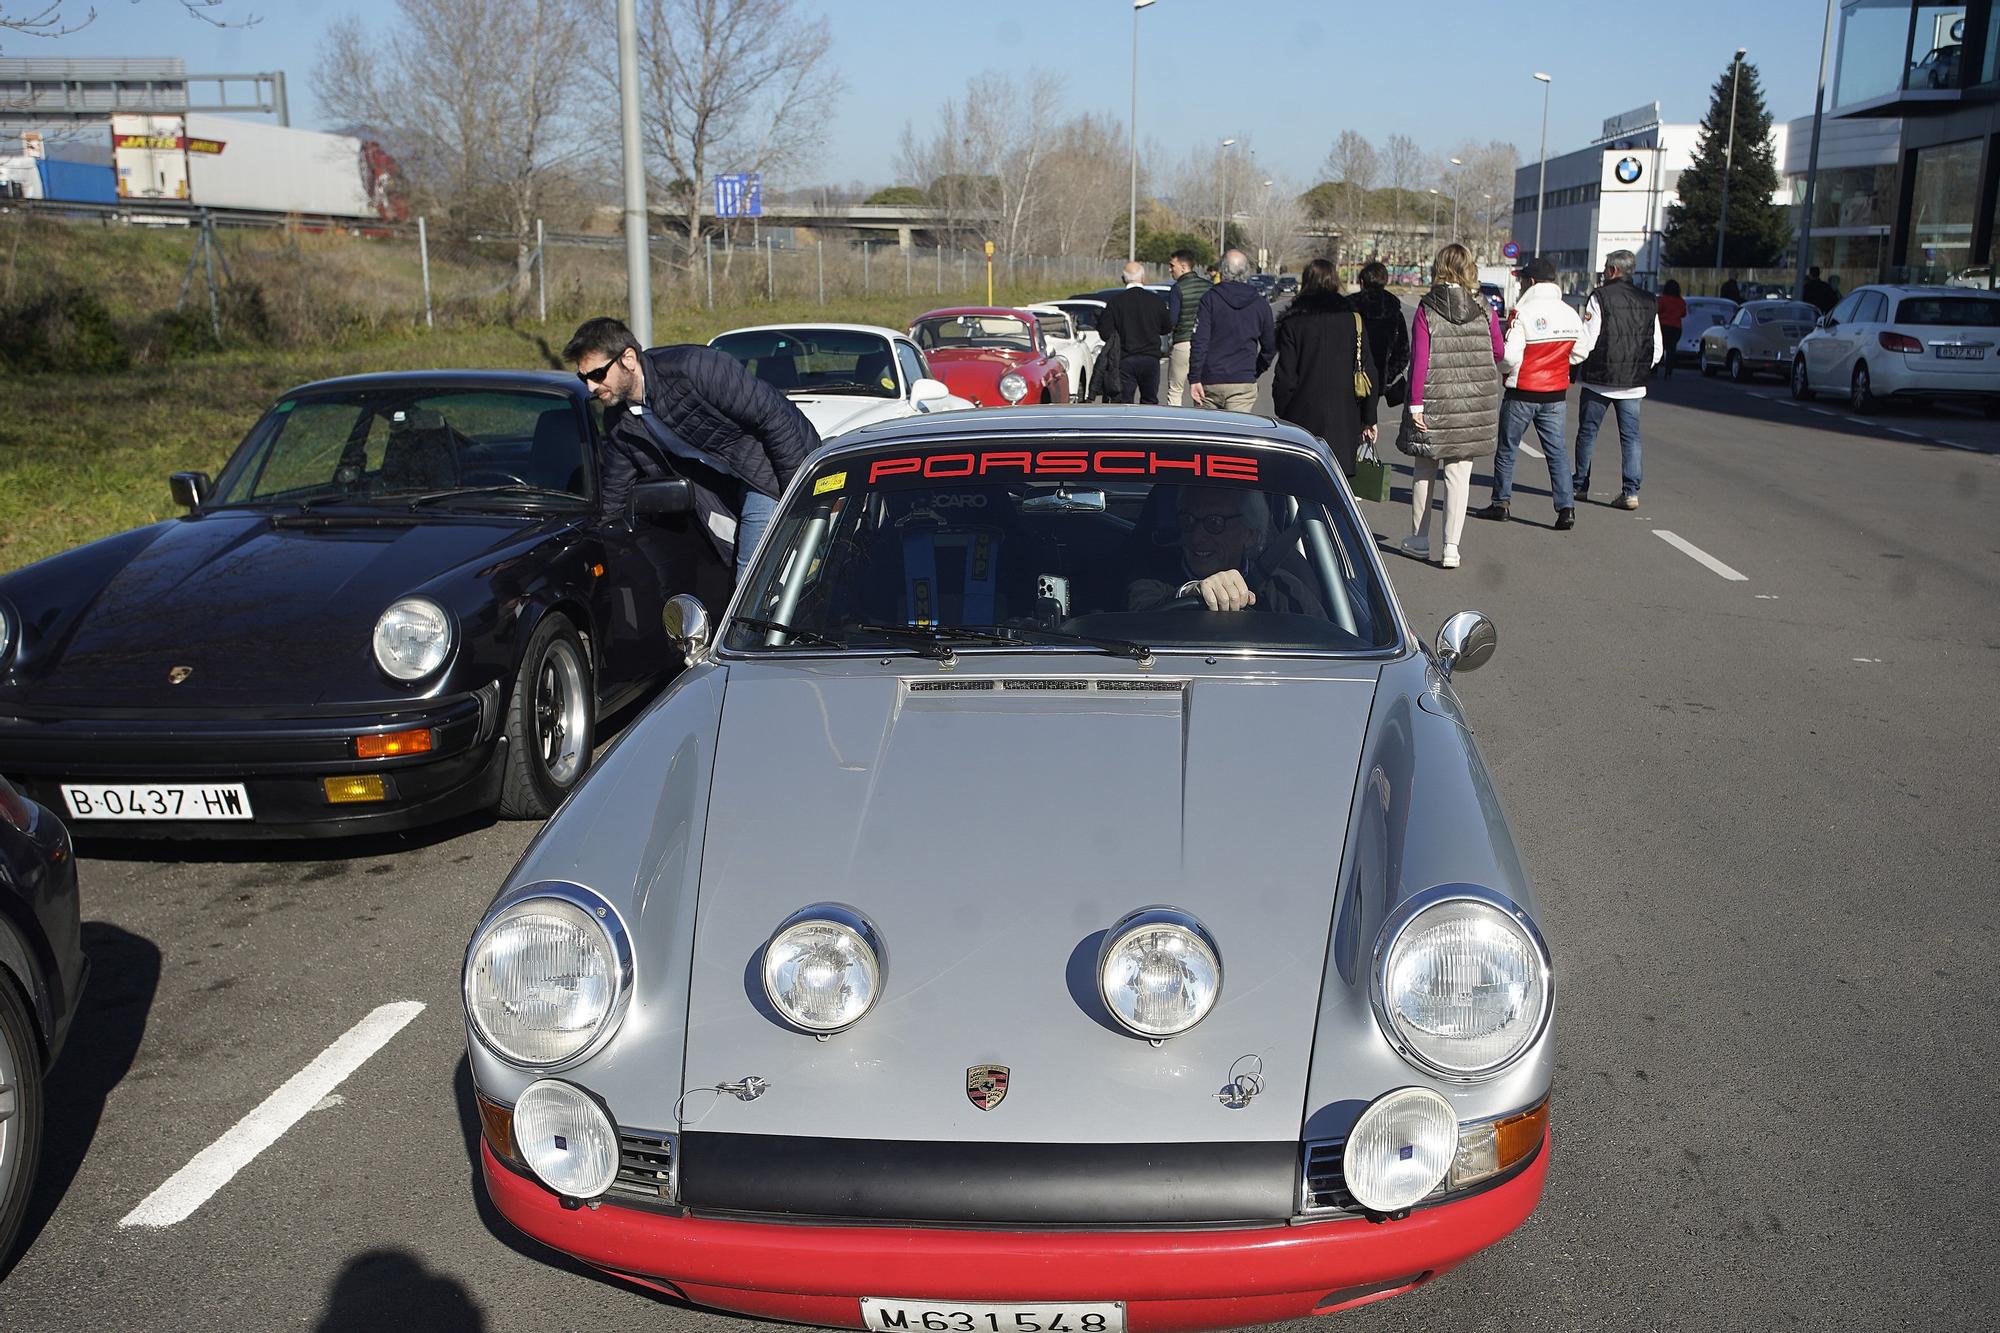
x: 179, y: 674
x: 986, y: 1085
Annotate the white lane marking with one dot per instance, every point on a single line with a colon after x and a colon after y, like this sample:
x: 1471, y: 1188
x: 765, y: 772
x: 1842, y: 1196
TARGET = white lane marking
x: 211, y: 1168
x: 1824, y: 411
x: 1954, y: 444
x: 1767, y: 597
x: 1907, y: 434
x: 1867, y: 659
x: 1531, y: 451
x: 1689, y: 549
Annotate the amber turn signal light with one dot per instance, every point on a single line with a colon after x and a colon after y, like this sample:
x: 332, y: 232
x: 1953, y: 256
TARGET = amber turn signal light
x: 498, y: 1122
x: 1518, y: 1136
x: 386, y: 744
x: 360, y: 787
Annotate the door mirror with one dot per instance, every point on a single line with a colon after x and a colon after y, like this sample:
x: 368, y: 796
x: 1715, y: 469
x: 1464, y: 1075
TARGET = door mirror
x: 929, y: 391
x: 190, y: 489
x: 674, y: 495
x: 1466, y: 642
x: 686, y: 622
x: 1826, y: 321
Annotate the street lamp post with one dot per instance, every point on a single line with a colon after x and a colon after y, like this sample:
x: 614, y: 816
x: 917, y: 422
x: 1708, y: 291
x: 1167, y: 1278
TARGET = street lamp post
x: 1542, y: 184
x: 1729, y: 151
x: 1222, y: 214
x: 1486, y: 225
x: 1457, y: 172
x: 1435, y: 196
x: 1132, y: 232
x: 638, y: 267
x: 1812, y: 161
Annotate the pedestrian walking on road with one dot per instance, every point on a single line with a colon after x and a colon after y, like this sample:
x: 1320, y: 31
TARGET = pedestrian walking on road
x: 1621, y: 342
x: 1454, y: 412
x: 1139, y: 319
x: 1183, y: 305
x: 1540, y: 347
x: 1323, y: 361
x: 694, y: 412
x: 1819, y: 292
x: 1235, y: 339
x: 1673, y: 315
x: 1730, y: 291
x: 1388, y: 332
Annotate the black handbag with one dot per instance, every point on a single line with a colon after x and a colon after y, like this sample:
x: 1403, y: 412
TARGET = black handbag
x: 1413, y: 440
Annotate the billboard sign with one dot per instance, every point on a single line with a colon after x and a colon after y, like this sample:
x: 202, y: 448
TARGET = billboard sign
x: 740, y: 195
x: 1631, y: 122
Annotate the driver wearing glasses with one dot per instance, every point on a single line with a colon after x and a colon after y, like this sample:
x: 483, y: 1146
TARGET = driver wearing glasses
x: 1229, y: 560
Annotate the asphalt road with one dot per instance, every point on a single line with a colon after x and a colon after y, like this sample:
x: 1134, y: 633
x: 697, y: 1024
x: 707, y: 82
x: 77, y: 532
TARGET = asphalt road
x: 1758, y: 811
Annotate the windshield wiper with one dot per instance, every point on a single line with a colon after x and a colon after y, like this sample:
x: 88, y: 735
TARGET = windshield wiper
x: 805, y: 636
x: 932, y: 640
x: 490, y: 492
x: 1138, y: 652
x: 841, y: 390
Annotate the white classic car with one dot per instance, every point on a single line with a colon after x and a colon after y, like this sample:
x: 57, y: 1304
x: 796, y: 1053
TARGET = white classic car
x: 842, y: 375
x: 1071, y: 344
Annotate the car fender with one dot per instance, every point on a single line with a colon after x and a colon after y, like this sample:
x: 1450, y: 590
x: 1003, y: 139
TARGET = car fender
x: 19, y: 962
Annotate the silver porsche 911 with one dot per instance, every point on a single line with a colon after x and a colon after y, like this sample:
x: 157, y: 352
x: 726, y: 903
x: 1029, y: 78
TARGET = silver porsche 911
x: 1062, y: 896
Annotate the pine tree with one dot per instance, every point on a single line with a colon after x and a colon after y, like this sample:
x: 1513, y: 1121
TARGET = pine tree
x: 1759, y: 230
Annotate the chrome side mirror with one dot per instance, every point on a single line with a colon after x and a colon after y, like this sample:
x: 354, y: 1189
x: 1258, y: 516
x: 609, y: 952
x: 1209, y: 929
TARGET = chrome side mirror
x: 1465, y: 642
x: 686, y: 623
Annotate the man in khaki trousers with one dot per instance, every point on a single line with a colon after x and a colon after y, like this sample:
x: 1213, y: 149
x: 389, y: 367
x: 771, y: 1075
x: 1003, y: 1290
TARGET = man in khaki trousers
x: 1183, y: 301
x: 1235, y: 341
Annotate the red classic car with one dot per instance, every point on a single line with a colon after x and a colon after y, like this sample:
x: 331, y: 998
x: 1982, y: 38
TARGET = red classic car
x: 992, y: 356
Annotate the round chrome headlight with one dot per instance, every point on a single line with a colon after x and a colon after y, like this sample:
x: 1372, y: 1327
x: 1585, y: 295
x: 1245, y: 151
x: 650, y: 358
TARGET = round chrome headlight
x: 1462, y: 982
x: 1400, y: 1149
x: 548, y: 976
x: 823, y: 967
x: 566, y: 1139
x: 1159, y: 971
x: 1012, y: 387
x: 412, y: 638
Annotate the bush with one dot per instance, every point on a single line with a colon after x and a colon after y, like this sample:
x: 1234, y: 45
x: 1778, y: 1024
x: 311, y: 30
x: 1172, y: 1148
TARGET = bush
x: 66, y: 329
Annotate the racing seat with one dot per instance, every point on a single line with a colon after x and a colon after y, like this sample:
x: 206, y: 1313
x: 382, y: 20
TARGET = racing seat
x: 871, y: 368
x: 780, y: 372
x: 555, y: 460
x: 421, y: 453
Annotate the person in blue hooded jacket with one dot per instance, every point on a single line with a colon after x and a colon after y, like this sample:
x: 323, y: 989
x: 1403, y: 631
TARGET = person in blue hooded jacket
x: 1235, y: 341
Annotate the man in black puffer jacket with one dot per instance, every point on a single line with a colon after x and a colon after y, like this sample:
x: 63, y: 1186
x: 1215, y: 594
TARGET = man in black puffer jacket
x: 693, y: 412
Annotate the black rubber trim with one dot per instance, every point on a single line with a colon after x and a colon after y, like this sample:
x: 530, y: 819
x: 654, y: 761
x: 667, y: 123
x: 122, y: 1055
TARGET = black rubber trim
x: 1037, y: 1184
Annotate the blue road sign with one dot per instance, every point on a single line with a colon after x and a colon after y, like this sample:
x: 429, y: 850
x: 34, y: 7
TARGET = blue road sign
x: 1511, y: 250
x: 739, y: 195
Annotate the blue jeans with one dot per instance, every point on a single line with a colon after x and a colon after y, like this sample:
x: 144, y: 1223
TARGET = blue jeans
x: 1592, y: 408
x: 1516, y: 415
x: 750, y: 524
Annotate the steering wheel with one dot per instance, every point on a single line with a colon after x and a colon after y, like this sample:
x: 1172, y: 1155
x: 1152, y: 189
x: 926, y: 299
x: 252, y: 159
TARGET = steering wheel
x: 1191, y: 602
x: 492, y: 477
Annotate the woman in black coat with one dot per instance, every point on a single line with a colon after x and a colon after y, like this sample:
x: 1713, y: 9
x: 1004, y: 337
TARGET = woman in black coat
x: 1388, y: 332
x: 1321, y: 343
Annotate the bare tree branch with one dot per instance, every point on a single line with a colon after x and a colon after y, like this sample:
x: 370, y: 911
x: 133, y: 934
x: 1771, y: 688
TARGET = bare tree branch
x: 57, y: 18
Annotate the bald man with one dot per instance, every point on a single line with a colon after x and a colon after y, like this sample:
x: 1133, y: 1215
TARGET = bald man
x: 1143, y: 324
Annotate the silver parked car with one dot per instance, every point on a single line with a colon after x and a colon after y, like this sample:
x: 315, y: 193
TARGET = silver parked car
x: 1760, y: 338
x: 1062, y: 894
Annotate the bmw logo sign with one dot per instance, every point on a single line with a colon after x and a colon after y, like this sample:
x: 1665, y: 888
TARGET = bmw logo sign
x: 1627, y: 169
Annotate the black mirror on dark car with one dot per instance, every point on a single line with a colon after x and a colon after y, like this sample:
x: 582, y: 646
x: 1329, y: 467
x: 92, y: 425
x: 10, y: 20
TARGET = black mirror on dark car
x: 672, y: 496
x: 189, y: 488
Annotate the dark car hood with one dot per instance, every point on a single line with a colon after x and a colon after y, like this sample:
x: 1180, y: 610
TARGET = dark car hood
x: 265, y: 613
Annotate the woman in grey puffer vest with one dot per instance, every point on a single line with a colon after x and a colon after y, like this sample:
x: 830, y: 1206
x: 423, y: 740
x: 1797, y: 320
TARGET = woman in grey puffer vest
x: 1454, y: 412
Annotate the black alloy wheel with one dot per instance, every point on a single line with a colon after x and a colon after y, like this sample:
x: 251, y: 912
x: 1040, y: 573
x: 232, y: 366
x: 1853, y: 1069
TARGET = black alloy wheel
x: 551, y: 722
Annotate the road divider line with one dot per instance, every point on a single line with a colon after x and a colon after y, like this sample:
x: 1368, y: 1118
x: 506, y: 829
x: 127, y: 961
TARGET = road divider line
x: 213, y: 1167
x: 1954, y: 444
x: 1907, y: 434
x: 1699, y: 556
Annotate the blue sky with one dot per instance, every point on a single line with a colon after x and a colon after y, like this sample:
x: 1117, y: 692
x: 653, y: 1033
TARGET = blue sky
x: 1289, y: 74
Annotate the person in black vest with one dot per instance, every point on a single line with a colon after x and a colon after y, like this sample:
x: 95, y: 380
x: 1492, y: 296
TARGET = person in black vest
x: 1140, y: 320
x: 1620, y: 346
x: 1322, y: 342
x: 694, y: 412
x: 1388, y: 332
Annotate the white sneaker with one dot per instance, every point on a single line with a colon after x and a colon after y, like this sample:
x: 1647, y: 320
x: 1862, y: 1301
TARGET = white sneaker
x: 1449, y: 560
x: 1419, y: 547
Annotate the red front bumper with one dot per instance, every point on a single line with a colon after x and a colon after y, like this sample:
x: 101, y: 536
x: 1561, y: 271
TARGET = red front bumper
x: 1168, y: 1280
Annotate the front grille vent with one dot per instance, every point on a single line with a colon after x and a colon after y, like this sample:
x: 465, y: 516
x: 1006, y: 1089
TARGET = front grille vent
x: 1147, y: 686
x: 941, y: 686
x: 1325, y: 1185
x: 1047, y: 685
x: 645, y: 1166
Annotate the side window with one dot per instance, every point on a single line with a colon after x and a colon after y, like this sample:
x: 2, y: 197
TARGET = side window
x: 912, y: 363
x: 1874, y: 310
x: 1844, y: 312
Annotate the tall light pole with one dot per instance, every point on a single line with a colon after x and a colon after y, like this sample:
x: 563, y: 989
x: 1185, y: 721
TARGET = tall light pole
x: 1812, y: 162
x: 1435, y: 196
x: 638, y: 269
x: 1222, y: 214
x: 1456, y: 175
x: 1486, y: 226
x: 1542, y: 185
x: 1729, y: 151
x: 1132, y: 233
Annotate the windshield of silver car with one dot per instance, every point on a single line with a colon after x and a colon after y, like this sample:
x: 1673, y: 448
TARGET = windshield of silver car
x: 827, y: 361
x: 365, y: 444
x: 1122, y: 546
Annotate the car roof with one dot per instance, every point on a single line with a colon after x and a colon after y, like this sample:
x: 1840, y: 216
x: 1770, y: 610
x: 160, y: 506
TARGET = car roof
x: 1915, y: 289
x: 1015, y: 311
x: 802, y: 326
x: 542, y: 380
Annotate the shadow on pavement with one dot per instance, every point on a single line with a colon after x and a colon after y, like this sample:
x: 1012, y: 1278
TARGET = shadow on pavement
x: 282, y: 849
x: 103, y: 1041
x: 392, y: 1289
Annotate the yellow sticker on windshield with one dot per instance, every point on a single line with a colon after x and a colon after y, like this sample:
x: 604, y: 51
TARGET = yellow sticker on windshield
x: 888, y: 383
x: 832, y: 481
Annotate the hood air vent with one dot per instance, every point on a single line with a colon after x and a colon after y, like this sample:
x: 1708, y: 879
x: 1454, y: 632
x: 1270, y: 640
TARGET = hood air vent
x: 1047, y: 685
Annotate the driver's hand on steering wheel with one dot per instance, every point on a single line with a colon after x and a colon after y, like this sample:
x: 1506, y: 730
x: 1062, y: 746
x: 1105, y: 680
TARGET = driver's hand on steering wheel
x: 1223, y: 591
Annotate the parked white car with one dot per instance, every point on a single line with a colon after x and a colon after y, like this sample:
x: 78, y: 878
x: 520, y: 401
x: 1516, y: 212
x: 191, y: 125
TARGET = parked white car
x: 842, y: 376
x: 1070, y: 345
x: 1704, y: 313
x: 1903, y: 342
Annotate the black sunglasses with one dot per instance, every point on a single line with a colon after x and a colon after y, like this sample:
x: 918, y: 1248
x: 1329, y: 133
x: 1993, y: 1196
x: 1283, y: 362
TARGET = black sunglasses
x: 597, y: 376
x: 1214, y: 523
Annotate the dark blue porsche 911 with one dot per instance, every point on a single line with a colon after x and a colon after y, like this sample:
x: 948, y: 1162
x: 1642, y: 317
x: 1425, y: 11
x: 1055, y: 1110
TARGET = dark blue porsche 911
x: 401, y: 600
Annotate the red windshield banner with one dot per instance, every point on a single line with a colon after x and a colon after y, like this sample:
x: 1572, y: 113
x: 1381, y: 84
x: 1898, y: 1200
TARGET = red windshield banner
x: 1067, y: 463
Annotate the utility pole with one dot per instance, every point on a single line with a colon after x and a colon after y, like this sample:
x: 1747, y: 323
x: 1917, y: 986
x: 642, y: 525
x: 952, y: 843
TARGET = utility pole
x: 1542, y: 184
x: 1222, y: 213
x: 1812, y: 161
x: 1458, y: 165
x: 1132, y: 230
x: 1729, y: 151
x: 638, y: 269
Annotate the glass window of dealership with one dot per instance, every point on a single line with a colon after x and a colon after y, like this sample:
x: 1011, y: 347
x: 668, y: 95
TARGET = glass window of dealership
x: 1928, y: 214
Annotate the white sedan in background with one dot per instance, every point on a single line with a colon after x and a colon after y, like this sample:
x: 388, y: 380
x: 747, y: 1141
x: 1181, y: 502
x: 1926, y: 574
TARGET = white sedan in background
x: 1892, y: 341
x: 842, y: 376
x: 1704, y: 313
x: 1075, y: 347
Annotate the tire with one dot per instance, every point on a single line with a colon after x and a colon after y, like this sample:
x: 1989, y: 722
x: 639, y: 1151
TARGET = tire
x: 551, y: 722
x: 1800, y: 387
x: 1991, y: 407
x: 21, y: 1112
x: 1701, y: 363
x: 1861, y: 397
x: 1737, y: 374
